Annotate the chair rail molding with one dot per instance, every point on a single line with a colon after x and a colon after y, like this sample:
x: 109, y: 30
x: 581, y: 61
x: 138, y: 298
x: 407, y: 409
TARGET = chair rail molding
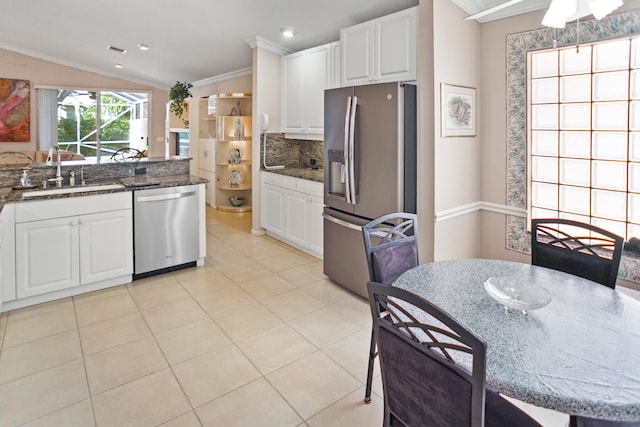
x: 468, y: 208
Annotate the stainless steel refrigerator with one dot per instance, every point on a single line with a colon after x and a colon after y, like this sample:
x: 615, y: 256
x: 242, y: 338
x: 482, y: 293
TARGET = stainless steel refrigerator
x: 370, y: 170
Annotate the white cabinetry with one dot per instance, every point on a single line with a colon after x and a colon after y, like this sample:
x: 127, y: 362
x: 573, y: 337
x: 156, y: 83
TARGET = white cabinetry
x: 47, y: 256
x: 381, y: 50
x: 335, y: 65
x: 306, y: 75
x: 273, y: 208
x: 292, y: 211
x: 64, y: 243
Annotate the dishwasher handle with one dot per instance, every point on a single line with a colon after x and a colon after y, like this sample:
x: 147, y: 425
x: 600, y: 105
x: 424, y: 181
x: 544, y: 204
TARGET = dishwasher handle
x: 165, y: 197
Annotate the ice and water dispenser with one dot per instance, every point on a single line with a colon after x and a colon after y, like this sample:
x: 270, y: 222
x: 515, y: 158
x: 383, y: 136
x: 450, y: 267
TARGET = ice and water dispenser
x: 337, y: 177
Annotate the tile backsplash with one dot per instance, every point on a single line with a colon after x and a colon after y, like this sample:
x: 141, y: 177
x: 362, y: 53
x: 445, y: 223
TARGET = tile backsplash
x: 292, y: 153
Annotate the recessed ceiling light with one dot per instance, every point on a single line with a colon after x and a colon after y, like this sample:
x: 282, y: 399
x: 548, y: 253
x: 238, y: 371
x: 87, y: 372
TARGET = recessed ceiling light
x: 287, y: 32
x: 119, y: 66
x: 117, y: 49
x: 143, y: 46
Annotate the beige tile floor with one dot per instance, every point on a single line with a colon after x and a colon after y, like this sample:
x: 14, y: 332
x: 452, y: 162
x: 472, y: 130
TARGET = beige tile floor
x: 256, y: 337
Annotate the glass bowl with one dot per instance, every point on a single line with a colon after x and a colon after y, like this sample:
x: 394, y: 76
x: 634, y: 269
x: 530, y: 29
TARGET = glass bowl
x: 236, y: 201
x: 516, y: 293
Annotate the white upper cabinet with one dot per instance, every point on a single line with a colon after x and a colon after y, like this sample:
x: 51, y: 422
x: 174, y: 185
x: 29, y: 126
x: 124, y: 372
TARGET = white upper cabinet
x: 336, y: 66
x: 306, y: 75
x: 381, y: 50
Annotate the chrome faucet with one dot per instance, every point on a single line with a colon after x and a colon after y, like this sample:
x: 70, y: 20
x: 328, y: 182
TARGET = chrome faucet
x: 58, y: 172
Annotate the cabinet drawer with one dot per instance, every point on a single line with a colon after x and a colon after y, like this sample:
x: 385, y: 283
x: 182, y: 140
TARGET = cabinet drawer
x: 38, y: 210
x: 273, y: 179
x: 316, y: 189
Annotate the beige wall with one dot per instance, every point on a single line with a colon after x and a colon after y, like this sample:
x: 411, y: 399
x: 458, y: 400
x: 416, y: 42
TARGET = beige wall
x: 456, y: 59
x: 492, y: 67
x: 45, y: 73
x: 426, y: 131
x: 493, y: 105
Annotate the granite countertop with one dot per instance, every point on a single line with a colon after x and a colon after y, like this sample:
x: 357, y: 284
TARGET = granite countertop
x: 13, y: 194
x: 303, y: 173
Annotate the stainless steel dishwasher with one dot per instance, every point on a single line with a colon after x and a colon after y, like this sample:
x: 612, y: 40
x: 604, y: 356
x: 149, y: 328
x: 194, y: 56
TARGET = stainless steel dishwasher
x: 165, y: 222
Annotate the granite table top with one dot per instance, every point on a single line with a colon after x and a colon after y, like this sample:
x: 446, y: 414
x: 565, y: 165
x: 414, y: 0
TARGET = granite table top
x: 579, y: 354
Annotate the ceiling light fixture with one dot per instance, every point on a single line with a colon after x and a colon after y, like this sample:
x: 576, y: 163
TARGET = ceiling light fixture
x: 143, y: 46
x: 287, y: 32
x: 562, y: 11
x: 119, y: 66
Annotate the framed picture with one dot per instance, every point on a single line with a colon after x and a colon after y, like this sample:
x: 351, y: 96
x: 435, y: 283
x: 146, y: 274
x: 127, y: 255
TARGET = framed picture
x: 14, y: 110
x: 458, y: 110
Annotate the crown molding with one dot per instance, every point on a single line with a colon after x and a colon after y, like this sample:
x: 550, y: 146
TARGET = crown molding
x: 265, y: 44
x: 222, y: 77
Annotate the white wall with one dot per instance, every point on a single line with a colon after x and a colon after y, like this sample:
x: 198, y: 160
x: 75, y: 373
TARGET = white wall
x: 45, y: 73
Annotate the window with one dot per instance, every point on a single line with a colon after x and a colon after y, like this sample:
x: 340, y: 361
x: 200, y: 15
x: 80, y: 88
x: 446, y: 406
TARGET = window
x: 92, y: 123
x: 584, y: 134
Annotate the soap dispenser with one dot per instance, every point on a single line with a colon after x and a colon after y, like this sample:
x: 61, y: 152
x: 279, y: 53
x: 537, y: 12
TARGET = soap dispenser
x: 25, y: 181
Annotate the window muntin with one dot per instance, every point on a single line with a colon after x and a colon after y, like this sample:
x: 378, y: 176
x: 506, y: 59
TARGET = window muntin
x: 584, y: 134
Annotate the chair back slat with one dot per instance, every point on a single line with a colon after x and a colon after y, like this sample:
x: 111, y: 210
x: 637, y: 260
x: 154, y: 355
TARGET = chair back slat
x: 591, y: 252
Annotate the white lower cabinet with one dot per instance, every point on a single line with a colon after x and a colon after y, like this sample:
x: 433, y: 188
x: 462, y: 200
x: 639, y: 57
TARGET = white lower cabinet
x: 47, y: 256
x: 292, y: 211
x: 273, y: 208
x: 65, y: 243
x: 106, y: 246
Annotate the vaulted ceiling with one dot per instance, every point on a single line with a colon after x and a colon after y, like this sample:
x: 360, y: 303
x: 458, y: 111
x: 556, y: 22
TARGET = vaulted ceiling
x: 189, y: 40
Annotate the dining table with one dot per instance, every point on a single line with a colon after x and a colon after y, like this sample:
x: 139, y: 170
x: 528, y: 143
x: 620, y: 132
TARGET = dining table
x: 579, y: 354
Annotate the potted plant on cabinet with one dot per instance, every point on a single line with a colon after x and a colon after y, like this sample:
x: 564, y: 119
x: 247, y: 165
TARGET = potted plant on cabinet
x: 178, y: 93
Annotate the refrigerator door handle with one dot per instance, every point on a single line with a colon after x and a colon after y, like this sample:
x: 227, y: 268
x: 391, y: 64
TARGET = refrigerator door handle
x: 345, y: 167
x: 352, y: 149
x: 342, y: 222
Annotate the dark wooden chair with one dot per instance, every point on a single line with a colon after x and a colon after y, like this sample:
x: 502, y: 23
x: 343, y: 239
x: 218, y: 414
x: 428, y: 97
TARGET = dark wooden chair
x: 577, y: 248
x: 391, y: 247
x: 433, y: 369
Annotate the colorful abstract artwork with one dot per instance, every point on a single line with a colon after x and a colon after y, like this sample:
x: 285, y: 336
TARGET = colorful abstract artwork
x: 14, y: 110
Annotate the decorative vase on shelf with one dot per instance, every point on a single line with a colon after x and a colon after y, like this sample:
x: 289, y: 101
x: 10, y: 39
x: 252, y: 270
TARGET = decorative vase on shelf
x: 238, y: 129
x: 235, y: 156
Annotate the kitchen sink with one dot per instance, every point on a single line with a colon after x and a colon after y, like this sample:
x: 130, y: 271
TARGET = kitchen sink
x: 68, y: 190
